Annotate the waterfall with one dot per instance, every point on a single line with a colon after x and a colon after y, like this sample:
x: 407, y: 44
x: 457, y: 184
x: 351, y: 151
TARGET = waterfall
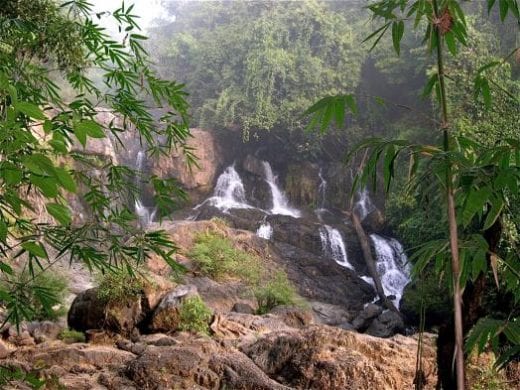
x: 145, y: 214
x: 334, y: 246
x: 364, y: 205
x: 322, y: 190
x: 229, y: 192
x: 265, y: 231
x: 280, y: 202
x: 392, y: 266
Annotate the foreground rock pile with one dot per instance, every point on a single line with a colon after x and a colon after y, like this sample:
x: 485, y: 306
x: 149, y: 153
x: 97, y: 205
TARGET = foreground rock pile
x: 244, y: 352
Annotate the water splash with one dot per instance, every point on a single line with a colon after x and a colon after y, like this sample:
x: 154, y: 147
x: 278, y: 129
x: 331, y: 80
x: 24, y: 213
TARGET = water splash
x: 364, y: 205
x: 145, y: 214
x: 334, y: 246
x: 280, y: 202
x: 265, y: 231
x: 392, y: 266
x: 229, y: 192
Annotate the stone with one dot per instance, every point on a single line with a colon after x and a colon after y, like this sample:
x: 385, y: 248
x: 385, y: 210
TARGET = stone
x: 386, y: 324
x: 87, y: 311
x: 365, y: 317
x: 330, y: 314
x: 45, y: 330
x: 244, y: 308
x: 166, y: 318
x: 21, y: 339
x: 294, y: 317
x: 322, y: 357
x: 4, y: 350
x: 198, y: 181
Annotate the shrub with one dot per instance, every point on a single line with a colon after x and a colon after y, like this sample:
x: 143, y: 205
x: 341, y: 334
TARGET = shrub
x: 194, y: 315
x: 44, y: 294
x: 217, y: 257
x: 115, y: 286
x: 71, y: 336
x: 275, y: 292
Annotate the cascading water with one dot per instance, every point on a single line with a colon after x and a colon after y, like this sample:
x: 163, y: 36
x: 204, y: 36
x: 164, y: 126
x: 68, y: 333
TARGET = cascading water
x: 280, y: 202
x: 265, y: 231
x: 322, y: 190
x: 364, y: 205
x: 392, y: 266
x: 229, y: 192
x: 145, y: 214
x: 334, y: 246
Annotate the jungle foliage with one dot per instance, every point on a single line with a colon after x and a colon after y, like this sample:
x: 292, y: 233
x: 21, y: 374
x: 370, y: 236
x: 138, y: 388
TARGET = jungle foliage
x: 43, y: 140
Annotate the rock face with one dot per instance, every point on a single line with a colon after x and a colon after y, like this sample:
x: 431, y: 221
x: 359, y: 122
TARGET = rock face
x: 329, y: 358
x: 198, y: 181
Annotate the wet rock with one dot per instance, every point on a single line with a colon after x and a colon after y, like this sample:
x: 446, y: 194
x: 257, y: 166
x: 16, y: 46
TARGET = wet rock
x: 365, y: 317
x: 166, y: 316
x: 374, y: 222
x: 243, y: 308
x: 330, y: 314
x: 386, y: 324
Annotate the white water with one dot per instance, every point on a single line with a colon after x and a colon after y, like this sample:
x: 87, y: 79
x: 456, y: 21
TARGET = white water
x: 229, y: 192
x: 334, y: 246
x: 364, y: 205
x: 392, y: 266
x: 265, y: 231
x: 322, y: 190
x: 280, y: 202
x: 145, y: 214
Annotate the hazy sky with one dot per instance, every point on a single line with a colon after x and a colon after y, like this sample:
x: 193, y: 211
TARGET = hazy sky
x: 147, y: 10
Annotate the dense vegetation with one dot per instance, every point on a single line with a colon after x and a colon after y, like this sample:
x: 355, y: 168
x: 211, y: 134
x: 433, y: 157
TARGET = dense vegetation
x: 450, y: 97
x: 48, y: 50
x: 445, y: 112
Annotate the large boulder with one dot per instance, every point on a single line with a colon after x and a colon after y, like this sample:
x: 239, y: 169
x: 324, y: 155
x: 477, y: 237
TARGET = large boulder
x: 322, y: 357
x: 166, y: 316
x: 365, y: 317
x: 386, y: 324
x: 123, y: 316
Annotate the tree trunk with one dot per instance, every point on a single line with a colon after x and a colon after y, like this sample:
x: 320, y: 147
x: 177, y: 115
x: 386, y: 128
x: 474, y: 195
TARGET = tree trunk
x: 370, y: 262
x: 473, y: 309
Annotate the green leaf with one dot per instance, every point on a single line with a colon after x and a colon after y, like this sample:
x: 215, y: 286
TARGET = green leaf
x: 34, y: 248
x: 397, y: 35
x: 30, y: 109
x: 65, y: 179
x: 91, y: 128
x: 11, y: 173
x: 450, y: 42
x: 46, y: 184
x: 504, y: 6
x: 81, y: 134
x: 3, y: 231
x: 494, y: 213
x: 475, y: 203
x: 59, y: 212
